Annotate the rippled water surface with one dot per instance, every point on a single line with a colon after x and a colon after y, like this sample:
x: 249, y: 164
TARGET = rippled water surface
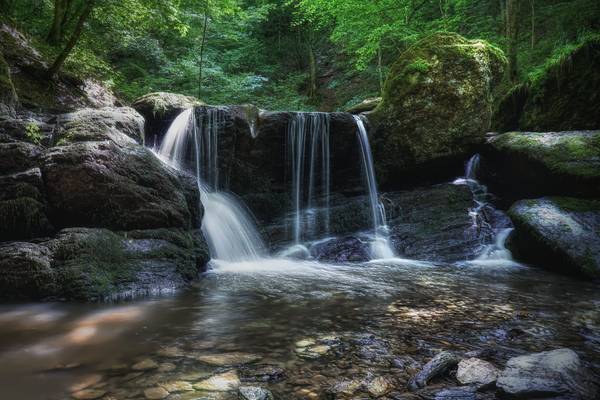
x: 382, y: 319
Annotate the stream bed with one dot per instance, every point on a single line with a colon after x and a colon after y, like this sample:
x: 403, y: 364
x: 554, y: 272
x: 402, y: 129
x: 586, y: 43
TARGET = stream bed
x: 302, y: 330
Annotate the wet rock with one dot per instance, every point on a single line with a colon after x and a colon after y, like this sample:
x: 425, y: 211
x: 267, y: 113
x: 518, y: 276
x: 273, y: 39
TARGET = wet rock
x: 228, y: 359
x: 457, y: 393
x: 473, y: 371
x: 531, y: 164
x: 254, y: 393
x: 26, y: 271
x: 553, y: 373
x: 18, y: 157
x: 263, y: 373
x: 177, y: 386
x: 365, y: 105
x: 346, y: 387
x: 156, y: 393
x: 86, y: 382
x: 171, y: 351
x: 220, y: 383
x: 88, y: 394
x: 436, y: 107
x: 378, y: 386
x: 8, y: 96
x: 145, y: 365
x: 167, y: 367
x: 560, y: 233
x: 437, y: 366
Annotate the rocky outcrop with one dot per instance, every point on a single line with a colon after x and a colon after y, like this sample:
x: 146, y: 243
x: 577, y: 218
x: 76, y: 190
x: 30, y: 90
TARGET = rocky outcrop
x: 559, y: 233
x: 93, y: 264
x: 532, y: 164
x: 436, y: 107
x: 160, y: 109
x: 8, y: 95
x: 557, y: 374
x: 564, y: 96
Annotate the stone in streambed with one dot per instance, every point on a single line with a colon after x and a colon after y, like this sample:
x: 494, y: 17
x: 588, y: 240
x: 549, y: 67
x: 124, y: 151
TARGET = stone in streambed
x: 254, y: 393
x: 556, y: 373
x: 145, y: 365
x: 437, y: 366
x: 474, y: 371
x: 88, y: 394
x: 156, y: 393
x: 228, y: 359
x: 263, y: 373
x: 224, y: 382
x: 378, y: 386
x: 177, y: 386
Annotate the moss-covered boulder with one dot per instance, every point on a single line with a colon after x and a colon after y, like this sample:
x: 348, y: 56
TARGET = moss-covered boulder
x: 100, y: 184
x: 160, y: 109
x: 26, y: 271
x: 533, y: 164
x: 8, y: 95
x: 559, y: 233
x: 564, y: 95
x: 122, y: 125
x: 437, y: 105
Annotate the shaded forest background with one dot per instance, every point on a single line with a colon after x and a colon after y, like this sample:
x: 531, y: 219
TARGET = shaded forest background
x: 284, y: 54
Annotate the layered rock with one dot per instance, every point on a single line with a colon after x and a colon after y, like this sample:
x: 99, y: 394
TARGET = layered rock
x: 436, y: 107
x: 8, y: 95
x: 531, y: 164
x: 564, y: 96
x: 560, y: 233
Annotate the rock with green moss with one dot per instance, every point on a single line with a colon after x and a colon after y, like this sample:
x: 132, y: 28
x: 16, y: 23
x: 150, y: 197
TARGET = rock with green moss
x: 559, y: 233
x: 366, y: 105
x: 160, y: 109
x: 26, y: 271
x: 101, y: 184
x: 8, y: 95
x: 532, y: 164
x: 18, y: 156
x: 122, y: 125
x: 564, y: 95
x: 436, y: 106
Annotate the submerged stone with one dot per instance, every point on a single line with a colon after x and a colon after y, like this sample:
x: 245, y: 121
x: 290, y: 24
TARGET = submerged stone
x: 224, y: 382
x: 438, y: 365
x: 228, y: 359
x: 177, y: 386
x: 156, y: 393
x: 145, y: 365
x: 473, y: 371
x: 254, y: 393
x: 88, y: 394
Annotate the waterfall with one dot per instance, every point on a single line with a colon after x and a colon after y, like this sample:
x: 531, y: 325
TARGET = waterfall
x: 380, y: 246
x: 308, y: 146
x: 227, y: 225
x: 495, y: 252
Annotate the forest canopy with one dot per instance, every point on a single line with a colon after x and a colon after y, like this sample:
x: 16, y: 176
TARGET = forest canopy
x: 284, y: 54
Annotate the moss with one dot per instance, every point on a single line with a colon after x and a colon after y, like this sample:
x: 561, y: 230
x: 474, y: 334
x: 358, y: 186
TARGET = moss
x: 572, y: 204
x: 22, y: 218
x: 8, y: 95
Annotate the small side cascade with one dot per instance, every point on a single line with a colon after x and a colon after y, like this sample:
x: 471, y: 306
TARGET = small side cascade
x: 227, y: 225
x: 495, y: 252
x: 309, y: 160
x: 380, y: 246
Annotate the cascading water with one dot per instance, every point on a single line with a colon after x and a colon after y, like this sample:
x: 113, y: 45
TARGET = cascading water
x: 308, y: 144
x: 229, y: 229
x: 495, y: 252
x: 380, y: 246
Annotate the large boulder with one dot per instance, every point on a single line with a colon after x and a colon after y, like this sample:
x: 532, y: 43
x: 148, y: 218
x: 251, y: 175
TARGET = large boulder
x: 436, y: 107
x: 160, y: 109
x: 122, y: 125
x: 563, y: 96
x: 25, y: 271
x: 556, y: 374
x: 559, y: 233
x: 100, y: 184
x: 532, y: 164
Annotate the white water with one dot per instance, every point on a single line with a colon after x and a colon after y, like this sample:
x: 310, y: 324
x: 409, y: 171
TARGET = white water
x: 380, y: 245
x: 494, y: 253
x: 227, y: 225
x: 308, y: 146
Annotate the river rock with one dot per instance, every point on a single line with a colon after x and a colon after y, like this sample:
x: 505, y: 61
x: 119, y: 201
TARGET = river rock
x: 556, y: 373
x: 378, y: 386
x: 155, y: 393
x: 224, y: 382
x: 559, y: 233
x: 103, y: 185
x: 122, y: 125
x: 159, y: 109
x: 531, y: 164
x: 254, y: 393
x: 177, y: 386
x: 456, y: 393
x: 228, y: 359
x: 262, y: 373
x: 473, y: 371
x: 145, y: 365
x: 437, y: 366
x: 88, y: 394
x: 436, y: 108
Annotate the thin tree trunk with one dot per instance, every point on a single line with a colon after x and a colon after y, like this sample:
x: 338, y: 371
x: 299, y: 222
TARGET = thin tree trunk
x: 202, y: 46
x: 312, y: 60
x: 55, y: 33
x: 73, y: 40
x: 380, y: 69
x: 532, y: 3
x: 512, y: 33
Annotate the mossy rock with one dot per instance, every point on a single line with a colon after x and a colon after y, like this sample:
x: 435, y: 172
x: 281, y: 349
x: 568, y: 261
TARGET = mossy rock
x: 559, y: 233
x: 564, y: 95
x: 26, y: 271
x: 436, y: 106
x: 531, y: 164
x: 8, y: 95
x: 23, y: 218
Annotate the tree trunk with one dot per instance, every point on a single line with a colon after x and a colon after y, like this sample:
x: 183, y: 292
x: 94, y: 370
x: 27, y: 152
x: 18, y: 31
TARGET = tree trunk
x: 312, y: 61
x: 512, y: 33
x: 55, y: 34
x: 73, y: 40
x: 532, y: 3
x: 380, y: 69
x: 202, y: 46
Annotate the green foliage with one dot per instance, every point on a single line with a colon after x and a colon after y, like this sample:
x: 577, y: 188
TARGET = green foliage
x: 33, y: 133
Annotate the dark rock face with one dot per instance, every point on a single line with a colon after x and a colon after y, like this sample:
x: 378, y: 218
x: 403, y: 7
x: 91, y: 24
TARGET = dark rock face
x: 532, y: 164
x: 557, y: 374
x: 436, y: 107
x: 25, y: 271
x: 566, y: 96
x: 560, y: 233
x: 100, y: 184
x: 160, y: 109
x: 8, y: 95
